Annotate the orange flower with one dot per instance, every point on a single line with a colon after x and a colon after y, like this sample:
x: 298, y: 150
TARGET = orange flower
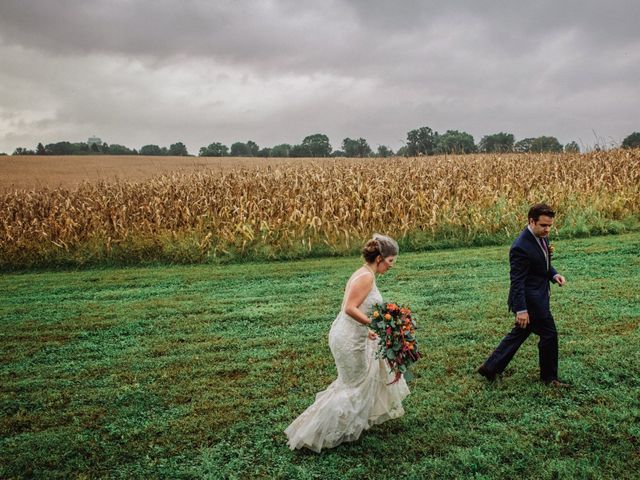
x: 376, y: 314
x: 392, y: 306
x: 387, y: 317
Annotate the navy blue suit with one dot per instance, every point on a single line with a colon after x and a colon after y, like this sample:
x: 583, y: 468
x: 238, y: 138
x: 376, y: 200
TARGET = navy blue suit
x: 531, y: 273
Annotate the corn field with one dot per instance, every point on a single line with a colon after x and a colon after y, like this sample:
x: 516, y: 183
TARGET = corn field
x: 308, y: 207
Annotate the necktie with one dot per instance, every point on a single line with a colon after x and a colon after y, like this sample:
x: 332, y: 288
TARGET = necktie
x: 544, y: 246
x: 545, y: 250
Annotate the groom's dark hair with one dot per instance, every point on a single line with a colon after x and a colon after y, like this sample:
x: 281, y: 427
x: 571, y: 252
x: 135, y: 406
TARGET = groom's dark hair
x: 541, y: 209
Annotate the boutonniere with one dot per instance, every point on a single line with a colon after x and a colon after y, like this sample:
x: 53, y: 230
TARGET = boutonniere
x: 551, y: 249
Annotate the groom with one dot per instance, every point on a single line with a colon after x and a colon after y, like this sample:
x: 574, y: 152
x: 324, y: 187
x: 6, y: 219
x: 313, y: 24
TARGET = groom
x: 531, y: 272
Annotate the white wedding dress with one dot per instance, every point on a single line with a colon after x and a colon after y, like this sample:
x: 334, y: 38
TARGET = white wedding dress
x: 361, y: 395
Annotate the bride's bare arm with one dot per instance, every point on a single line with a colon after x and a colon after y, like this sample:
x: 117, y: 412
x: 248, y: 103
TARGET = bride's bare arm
x: 357, y: 293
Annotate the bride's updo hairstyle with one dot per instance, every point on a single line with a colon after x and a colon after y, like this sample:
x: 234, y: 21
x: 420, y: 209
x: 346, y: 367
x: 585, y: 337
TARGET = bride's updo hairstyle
x: 379, y: 245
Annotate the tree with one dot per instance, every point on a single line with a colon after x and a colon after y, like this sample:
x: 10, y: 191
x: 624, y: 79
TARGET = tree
x: 572, y: 147
x: 249, y: 149
x: 421, y: 141
x: 264, y: 152
x: 95, y: 148
x: 253, y: 148
x: 497, y: 143
x: 317, y: 145
x: 178, y: 150
x: 538, y: 145
x: 300, y: 151
x: 23, y: 151
x: 40, y: 149
x: 384, y: 151
x: 60, y: 148
x: 632, y: 141
x: 152, y: 150
x: 546, y: 144
x: 350, y: 147
x: 115, y: 149
x: 403, y: 151
x: 215, y: 149
x: 356, y: 148
x: 281, y: 150
x: 338, y: 154
x: 454, y: 141
x: 240, y: 149
x: 524, y: 145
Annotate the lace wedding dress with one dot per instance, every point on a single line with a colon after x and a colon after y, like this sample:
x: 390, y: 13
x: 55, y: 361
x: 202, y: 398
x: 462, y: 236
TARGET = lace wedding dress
x: 361, y: 395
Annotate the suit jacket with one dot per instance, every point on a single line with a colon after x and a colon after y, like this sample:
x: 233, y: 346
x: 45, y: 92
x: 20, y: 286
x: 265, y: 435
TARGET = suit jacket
x: 530, y: 275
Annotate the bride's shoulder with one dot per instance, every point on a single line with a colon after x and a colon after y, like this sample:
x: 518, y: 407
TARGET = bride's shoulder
x: 362, y: 276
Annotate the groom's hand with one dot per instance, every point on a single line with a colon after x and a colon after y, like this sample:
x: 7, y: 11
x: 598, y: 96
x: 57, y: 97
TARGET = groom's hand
x: 522, y: 319
x: 560, y: 280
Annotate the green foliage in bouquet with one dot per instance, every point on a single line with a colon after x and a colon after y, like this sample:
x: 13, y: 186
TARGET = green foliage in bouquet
x: 395, y: 327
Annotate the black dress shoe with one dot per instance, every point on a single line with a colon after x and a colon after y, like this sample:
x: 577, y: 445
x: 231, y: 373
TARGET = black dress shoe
x: 486, y: 373
x: 557, y: 384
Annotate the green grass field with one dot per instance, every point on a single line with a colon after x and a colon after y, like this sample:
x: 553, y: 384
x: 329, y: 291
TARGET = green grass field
x: 195, y: 371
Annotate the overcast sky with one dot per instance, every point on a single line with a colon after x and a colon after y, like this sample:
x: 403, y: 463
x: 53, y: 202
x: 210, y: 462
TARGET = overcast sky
x: 274, y: 71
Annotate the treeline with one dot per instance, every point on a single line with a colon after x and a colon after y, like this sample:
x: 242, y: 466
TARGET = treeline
x: 421, y: 141
x: 82, y: 148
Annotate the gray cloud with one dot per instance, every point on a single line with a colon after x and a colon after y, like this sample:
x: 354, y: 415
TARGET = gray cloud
x: 137, y: 72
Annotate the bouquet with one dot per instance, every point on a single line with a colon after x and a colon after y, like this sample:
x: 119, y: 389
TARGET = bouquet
x: 395, y: 327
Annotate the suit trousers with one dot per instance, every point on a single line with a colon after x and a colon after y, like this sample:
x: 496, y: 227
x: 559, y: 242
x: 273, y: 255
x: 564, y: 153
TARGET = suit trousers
x: 545, y: 328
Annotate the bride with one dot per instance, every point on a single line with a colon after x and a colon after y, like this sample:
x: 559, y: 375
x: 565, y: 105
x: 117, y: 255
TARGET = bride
x: 361, y: 396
